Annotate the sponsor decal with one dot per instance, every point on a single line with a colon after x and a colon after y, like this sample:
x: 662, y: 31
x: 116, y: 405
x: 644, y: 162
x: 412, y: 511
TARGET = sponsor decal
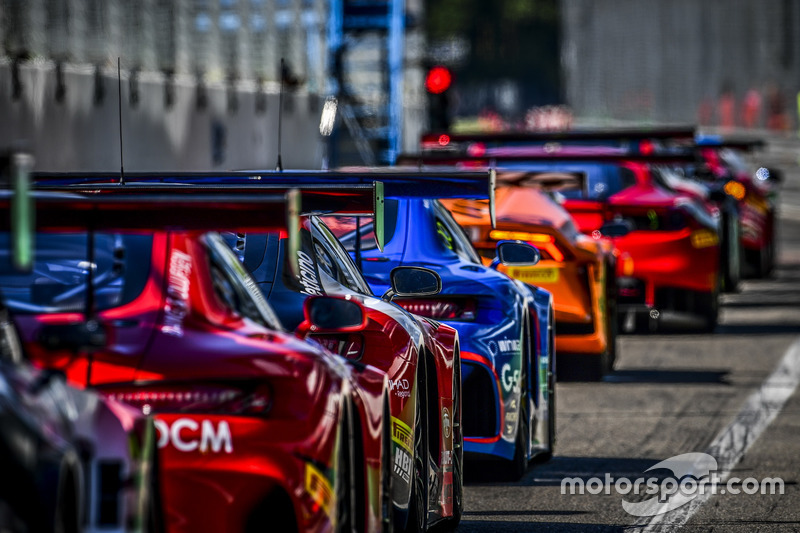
x: 510, y: 378
x: 446, y: 422
x: 447, y: 458
x: 534, y: 275
x: 504, y: 346
x: 308, y: 276
x: 402, y: 464
x: 189, y: 435
x: 176, y: 305
x: 319, y: 488
x: 402, y: 435
x: 400, y: 387
x: 509, y: 345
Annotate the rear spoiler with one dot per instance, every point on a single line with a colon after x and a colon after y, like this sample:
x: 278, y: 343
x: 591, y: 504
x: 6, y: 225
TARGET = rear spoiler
x: 494, y: 159
x: 176, y: 206
x: 65, y: 212
x: 415, y: 181
x: 319, y: 188
x: 717, y: 141
x: 685, y: 132
x: 397, y: 182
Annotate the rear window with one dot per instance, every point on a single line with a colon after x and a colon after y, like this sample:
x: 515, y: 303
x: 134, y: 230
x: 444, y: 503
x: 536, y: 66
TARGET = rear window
x: 602, y: 181
x: 344, y: 228
x: 57, y: 282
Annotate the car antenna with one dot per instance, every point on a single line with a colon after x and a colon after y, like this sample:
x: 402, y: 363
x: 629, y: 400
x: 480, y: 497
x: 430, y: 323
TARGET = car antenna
x: 279, y: 165
x: 119, y: 92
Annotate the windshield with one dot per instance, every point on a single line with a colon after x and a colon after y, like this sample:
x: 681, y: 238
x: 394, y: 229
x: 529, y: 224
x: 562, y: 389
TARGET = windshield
x: 58, y: 280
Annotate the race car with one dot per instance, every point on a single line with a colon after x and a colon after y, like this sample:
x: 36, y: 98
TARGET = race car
x: 256, y: 427
x: 505, y: 327
x: 668, y: 242
x: 579, y: 271
x: 420, y: 357
x: 755, y: 191
x: 71, y: 460
x: 664, y: 140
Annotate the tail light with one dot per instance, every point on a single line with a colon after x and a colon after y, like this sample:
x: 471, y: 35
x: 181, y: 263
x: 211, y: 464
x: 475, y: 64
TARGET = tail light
x: 735, y: 189
x: 253, y: 400
x: 435, y: 141
x: 441, y: 309
x: 544, y: 242
x: 476, y: 150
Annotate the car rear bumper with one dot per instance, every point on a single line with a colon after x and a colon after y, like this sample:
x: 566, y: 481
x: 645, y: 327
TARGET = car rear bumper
x: 229, y: 489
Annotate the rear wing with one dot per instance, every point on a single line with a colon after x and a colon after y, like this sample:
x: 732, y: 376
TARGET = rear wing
x: 495, y: 157
x: 416, y: 181
x: 92, y: 204
x: 323, y: 191
x: 466, y: 142
x: 397, y: 182
x: 72, y: 212
x: 718, y: 141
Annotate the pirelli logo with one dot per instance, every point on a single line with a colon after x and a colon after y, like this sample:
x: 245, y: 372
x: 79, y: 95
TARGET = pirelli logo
x: 401, y: 434
x: 319, y: 488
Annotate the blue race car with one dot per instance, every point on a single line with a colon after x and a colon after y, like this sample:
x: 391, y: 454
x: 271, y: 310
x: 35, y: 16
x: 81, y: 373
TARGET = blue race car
x: 505, y: 326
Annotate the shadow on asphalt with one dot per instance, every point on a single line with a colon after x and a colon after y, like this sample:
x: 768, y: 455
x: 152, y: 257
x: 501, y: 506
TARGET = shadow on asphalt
x: 552, y: 472
x: 501, y: 526
x: 758, y: 329
x: 667, y: 376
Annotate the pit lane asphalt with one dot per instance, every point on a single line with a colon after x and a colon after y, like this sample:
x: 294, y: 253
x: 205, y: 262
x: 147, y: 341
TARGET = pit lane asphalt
x: 670, y: 394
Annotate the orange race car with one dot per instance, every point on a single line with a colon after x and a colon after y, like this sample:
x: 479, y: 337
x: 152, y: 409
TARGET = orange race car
x: 574, y: 268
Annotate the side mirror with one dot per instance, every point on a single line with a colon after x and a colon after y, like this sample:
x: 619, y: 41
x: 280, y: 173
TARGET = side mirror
x: 77, y: 337
x: 413, y: 281
x: 617, y: 228
x: 327, y: 314
x: 516, y: 253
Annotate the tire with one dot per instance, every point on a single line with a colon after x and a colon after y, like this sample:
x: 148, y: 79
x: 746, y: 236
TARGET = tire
x: 709, y: 310
x: 387, y: 505
x: 766, y: 259
x: 515, y: 468
x: 551, y: 406
x: 458, y: 448
x: 345, y: 477
x: 417, y: 521
x: 732, y: 246
x: 598, y: 366
x: 612, y: 317
x: 68, y: 510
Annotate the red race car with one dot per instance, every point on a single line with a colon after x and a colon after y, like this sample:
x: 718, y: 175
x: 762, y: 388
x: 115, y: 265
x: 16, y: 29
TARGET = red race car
x: 424, y: 400
x: 668, y: 242
x: 257, y: 428
x: 755, y: 192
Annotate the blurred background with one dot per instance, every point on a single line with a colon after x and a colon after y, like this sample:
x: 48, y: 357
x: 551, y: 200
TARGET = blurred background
x: 208, y: 84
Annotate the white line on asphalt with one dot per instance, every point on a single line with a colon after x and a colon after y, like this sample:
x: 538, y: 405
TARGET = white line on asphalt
x: 730, y: 445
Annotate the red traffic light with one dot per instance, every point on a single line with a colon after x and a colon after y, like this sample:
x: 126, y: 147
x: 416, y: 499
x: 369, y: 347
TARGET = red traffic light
x: 438, y: 79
